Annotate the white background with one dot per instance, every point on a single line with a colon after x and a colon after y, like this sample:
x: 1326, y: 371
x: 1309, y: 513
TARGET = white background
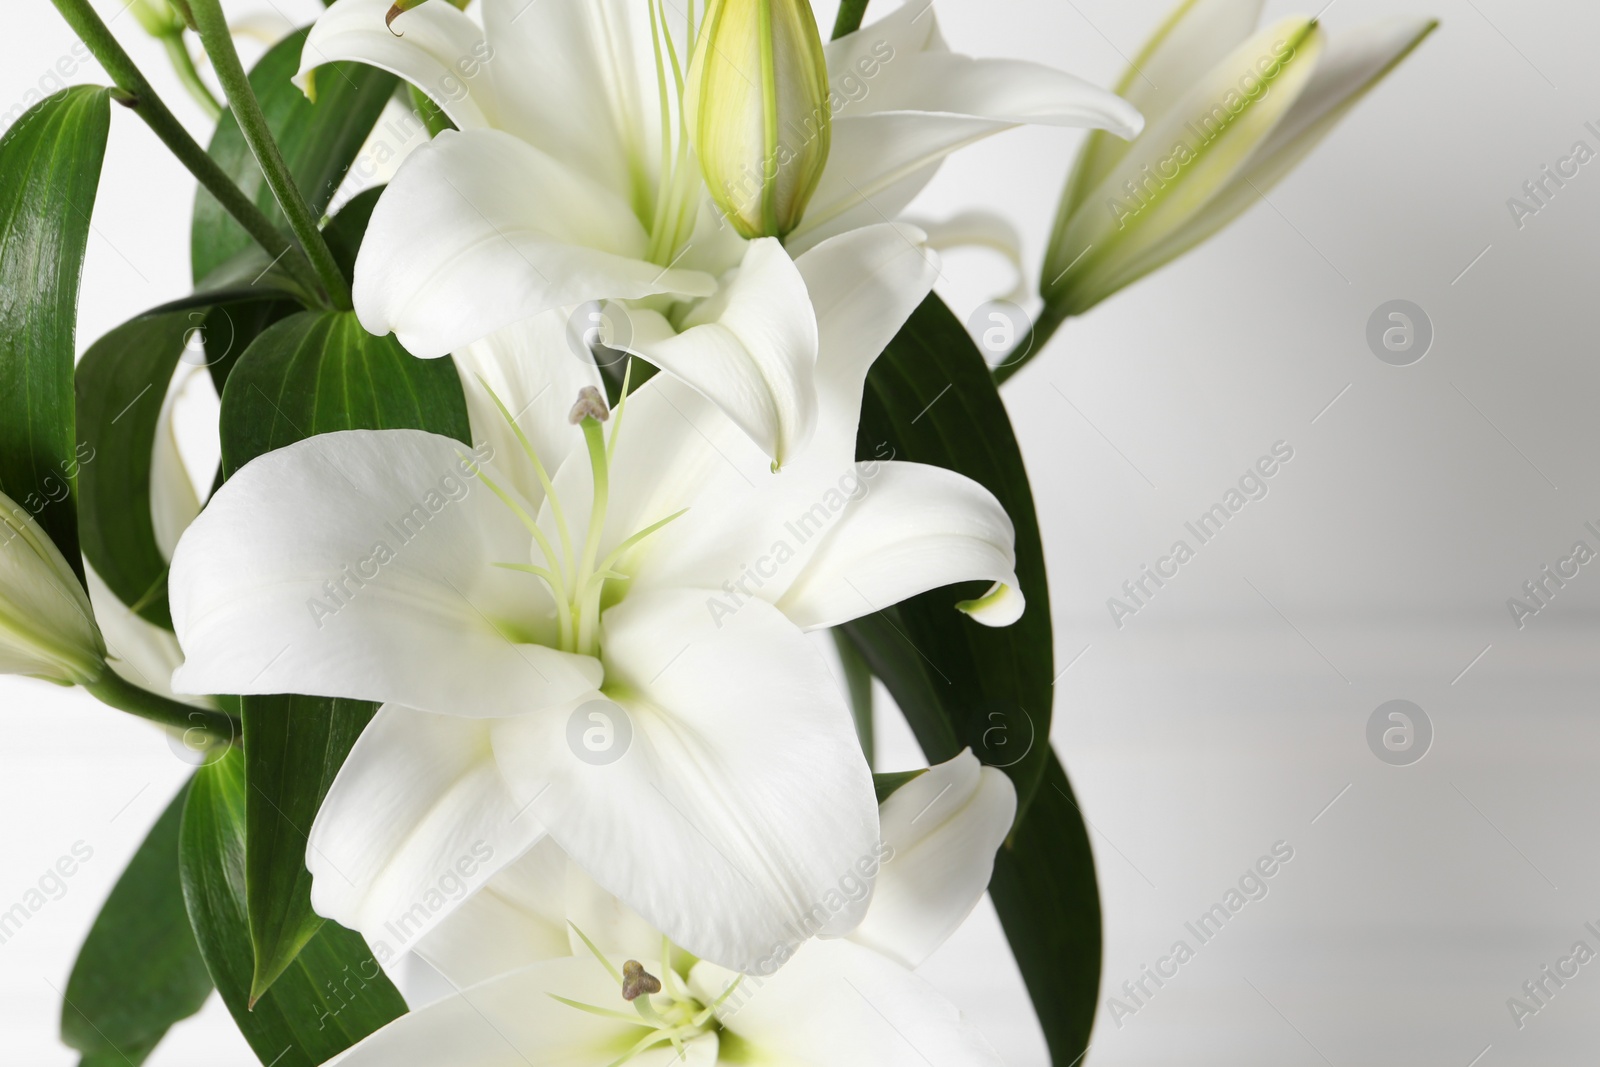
x: 1230, y: 712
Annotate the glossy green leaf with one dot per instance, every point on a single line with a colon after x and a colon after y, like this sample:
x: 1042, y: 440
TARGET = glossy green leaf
x: 294, y: 745
x: 331, y: 996
x: 49, y: 173
x: 1044, y: 889
x: 319, y: 142
x: 121, y: 384
x: 930, y: 398
x: 139, y: 971
x: 316, y: 372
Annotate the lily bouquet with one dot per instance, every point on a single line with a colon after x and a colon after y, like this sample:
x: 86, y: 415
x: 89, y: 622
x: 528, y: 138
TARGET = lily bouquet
x: 544, y: 467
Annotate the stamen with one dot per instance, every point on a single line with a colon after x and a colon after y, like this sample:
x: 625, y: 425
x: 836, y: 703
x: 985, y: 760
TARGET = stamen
x: 590, y: 405
x: 637, y: 981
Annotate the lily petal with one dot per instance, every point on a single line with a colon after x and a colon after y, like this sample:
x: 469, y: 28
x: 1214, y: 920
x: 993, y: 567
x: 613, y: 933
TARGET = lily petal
x: 752, y: 350
x: 923, y: 103
x: 141, y: 652
x: 766, y: 815
x: 978, y: 229
x: 361, y: 564
x: 944, y: 827
x: 1195, y: 37
x: 916, y: 528
x: 515, y: 1020
x: 535, y: 368
x: 838, y: 1002
x: 579, y: 82
x: 173, y: 500
x: 417, y: 818
x: 479, y: 230
x: 517, y: 918
x: 435, y: 47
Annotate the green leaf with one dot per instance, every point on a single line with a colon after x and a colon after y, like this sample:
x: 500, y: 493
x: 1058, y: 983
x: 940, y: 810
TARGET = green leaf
x: 319, y: 142
x: 332, y: 995
x: 931, y: 398
x: 885, y: 784
x: 317, y: 372
x: 49, y: 173
x: 121, y: 384
x: 858, y: 682
x: 139, y: 970
x: 294, y: 745
x: 1045, y: 892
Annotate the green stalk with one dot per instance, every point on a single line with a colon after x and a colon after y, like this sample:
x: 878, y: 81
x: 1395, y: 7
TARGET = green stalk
x: 138, y: 95
x: 183, y: 64
x: 1044, y: 327
x: 851, y: 12
x: 119, y: 693
x: 218, y: 42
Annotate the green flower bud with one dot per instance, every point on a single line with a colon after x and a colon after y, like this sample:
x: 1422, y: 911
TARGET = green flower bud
x: 47, y: 629
x: 758, y: 111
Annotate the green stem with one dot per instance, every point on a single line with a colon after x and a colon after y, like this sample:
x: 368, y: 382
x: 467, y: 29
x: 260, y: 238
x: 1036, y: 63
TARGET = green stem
x: 139, y: 96
x: 851, y: 12
x: 218, y: 41
x: 119, y: 693
x: 1044, y: 328
x: 183, y: 64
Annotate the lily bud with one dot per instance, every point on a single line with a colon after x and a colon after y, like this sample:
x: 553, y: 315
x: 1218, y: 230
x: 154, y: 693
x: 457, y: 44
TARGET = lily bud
x: 47, y: 628
x: 1228, y: 115
x: 758, y: 111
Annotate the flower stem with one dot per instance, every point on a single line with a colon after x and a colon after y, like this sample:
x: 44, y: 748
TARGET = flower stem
x: 183, y: 64
x: 218, y: 42
x: 119, y: 693
x: 138, y: 95
x: 1045, y: 324
x: 849, y: 18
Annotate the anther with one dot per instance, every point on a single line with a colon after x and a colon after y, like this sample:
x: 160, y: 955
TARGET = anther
x: 590, y: 405
x: 636, y: 980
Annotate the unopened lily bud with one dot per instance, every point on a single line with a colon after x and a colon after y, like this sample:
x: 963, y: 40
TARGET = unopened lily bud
x: 47, y: 628
x: 758, y: 111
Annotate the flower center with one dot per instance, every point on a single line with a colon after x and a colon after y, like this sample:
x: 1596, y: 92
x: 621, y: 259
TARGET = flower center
x: 664, y: 1007
x: 576, y: 575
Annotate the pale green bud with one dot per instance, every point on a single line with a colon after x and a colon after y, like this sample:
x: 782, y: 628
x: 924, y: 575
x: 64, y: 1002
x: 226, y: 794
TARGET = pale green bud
x: 1228, y: 113
x: 758, y: 111
x: 47, y: 628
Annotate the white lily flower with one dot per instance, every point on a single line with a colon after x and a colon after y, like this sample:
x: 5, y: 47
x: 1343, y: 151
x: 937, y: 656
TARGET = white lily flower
x: 573, y: 177
x: 544, y: 962
x: 519, y: 614
x: 1230, y: 112
x: 47, y: 628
